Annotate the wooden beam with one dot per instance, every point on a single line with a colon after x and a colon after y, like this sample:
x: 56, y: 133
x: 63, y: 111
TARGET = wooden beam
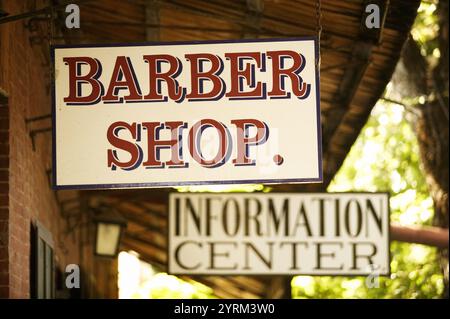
x: 157, y: 195
x: 143, y: 223
x: 253, y: 17
x: 153, y: 236
x: 152, y: 18
x: 142, y: 213
x: 219, y: 292
x: 348, y: 87
x: 431, y: 236
x: 41, y: 12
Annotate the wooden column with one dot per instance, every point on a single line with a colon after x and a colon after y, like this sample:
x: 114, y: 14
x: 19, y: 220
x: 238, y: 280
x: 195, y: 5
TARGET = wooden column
x: 431, y: 236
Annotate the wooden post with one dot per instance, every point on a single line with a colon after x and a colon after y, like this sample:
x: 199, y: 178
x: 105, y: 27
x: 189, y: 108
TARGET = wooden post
x: 279, y: 288
x: 152, y: 18
x: 432, y: 236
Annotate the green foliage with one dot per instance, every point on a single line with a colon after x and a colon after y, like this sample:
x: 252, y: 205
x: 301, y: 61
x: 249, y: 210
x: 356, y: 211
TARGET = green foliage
x: 425, y: 30
x: 385, y: 158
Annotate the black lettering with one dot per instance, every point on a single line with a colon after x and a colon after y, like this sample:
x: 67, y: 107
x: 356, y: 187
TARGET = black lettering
x: 226, y: 214
x: 177, y: 254
x: 214, y: 254
x: 301, y: 215
x: 267, y: 261
x: 356, y: 256
x: 249, y: 216
x: 276, y: 219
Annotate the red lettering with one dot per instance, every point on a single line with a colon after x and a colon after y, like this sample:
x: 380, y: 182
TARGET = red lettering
x: 239, y: 74
x: 299, y: 88
x: 76, y: 81
x: 133, y: 149
x: 123, y: 69
x: 244, y: 141
x: 198, y: 76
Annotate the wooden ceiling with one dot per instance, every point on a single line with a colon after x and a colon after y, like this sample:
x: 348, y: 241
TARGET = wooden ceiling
x: 355, y: 69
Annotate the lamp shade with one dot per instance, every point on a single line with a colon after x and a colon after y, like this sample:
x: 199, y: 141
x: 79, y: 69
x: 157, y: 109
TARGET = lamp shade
x: 109, y: 227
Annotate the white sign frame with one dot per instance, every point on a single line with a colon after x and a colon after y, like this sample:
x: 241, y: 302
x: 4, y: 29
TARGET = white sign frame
x: 78, y: 158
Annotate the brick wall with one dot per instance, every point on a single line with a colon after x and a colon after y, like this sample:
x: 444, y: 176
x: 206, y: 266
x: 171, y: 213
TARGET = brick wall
x: 25, y: 193
x: 4, y: 196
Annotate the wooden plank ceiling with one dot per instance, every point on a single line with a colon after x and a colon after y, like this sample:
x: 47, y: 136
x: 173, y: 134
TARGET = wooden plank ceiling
x: 354, y: 72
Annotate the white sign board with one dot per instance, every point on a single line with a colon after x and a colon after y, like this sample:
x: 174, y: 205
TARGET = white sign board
x: 275, y: 233
x: 186, y: 113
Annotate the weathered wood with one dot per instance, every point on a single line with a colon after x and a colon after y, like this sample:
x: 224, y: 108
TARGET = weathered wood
x: 253, y: 17
x: 279, y: 288
x: 431, y: 236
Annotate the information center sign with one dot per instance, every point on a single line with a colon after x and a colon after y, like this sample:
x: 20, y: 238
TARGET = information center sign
x: 186, y: 113
x: 275, y: 233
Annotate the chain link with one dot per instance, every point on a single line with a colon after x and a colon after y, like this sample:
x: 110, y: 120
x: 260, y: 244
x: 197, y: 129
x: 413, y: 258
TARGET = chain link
x: 318, y: 28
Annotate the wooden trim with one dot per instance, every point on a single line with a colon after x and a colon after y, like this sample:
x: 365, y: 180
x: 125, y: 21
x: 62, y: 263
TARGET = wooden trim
x: 45, y: 234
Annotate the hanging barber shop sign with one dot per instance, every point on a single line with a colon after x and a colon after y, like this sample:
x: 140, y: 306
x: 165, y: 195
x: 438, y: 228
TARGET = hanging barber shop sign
x: 186, y: 113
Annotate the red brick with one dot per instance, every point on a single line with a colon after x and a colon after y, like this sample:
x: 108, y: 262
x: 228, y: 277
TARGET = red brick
x: 28, y: 196
x: 4, y: 279
x: 4, y: 253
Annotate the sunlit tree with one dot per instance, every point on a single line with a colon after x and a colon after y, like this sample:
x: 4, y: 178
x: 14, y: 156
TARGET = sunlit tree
x: 403, y: 149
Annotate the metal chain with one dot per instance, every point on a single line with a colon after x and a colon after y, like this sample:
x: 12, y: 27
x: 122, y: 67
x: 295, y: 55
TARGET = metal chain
x: 318, y: 28
x: 50, y: 39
